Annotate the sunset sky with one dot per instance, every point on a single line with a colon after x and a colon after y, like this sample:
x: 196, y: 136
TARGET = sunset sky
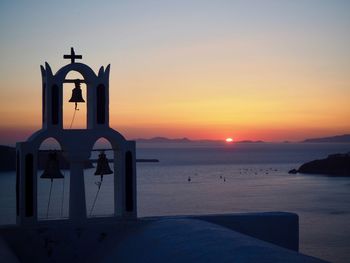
x: 261, y: 70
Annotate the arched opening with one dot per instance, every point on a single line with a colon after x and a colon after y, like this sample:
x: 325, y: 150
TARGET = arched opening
x: 53, y: 181
x: 129, y: 195
x: 29, y: 185
x: 54, y: 105
x: 74, y: 118
x: 43, y: 102
x: 101, y: 104
x: 18, y: 166
x: 99, y: 180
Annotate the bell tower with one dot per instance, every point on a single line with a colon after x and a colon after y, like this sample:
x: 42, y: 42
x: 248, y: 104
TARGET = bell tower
x: 76, y: 145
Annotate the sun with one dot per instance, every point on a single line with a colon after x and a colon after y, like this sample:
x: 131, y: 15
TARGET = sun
x: 229, y: 140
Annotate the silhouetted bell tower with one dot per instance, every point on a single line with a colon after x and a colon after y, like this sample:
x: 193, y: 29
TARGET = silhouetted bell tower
x: 76, y: 144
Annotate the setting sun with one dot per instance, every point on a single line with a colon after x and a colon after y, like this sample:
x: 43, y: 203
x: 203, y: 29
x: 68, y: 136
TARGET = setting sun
x: 229, y: 140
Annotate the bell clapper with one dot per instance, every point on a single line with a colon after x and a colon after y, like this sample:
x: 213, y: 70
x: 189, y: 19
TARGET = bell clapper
x: 48, y: 203
x: 99, y: 184
x: 75, y: 110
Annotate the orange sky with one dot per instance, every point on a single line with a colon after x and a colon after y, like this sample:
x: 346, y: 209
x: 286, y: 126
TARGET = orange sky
x: 267, y: 71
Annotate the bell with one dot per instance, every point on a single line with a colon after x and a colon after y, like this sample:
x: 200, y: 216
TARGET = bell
x: 52, y: 168
x: 102, y: 165
x: 76, y: 93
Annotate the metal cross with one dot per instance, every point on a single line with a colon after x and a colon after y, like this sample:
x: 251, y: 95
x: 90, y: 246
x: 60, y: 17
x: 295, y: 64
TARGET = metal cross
x: 72, y: 56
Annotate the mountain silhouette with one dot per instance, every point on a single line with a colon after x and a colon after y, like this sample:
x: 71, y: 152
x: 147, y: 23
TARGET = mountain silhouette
x: 345, y: 138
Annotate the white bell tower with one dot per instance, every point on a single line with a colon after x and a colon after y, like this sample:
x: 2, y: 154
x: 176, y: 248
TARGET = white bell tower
x: 76, y: 146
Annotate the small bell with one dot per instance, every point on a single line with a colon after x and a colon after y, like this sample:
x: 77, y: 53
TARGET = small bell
x: 102, y: 165
x: 52, y: 168
x: 76, y: 94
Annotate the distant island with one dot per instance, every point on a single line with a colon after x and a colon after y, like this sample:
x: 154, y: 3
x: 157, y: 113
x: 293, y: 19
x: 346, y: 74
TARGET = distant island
x: 186, y: 140
x: 164, y: 140
x: 345, y: 138
x: 8, y: 154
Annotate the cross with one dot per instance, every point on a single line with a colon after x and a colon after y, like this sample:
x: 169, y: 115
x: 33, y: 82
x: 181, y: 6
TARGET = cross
x: 72, y: 56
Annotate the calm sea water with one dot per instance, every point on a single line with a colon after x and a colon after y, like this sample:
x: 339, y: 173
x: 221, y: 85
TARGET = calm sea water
x: 224, y: 179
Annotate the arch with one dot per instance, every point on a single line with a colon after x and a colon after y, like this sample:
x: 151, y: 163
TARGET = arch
x: 101, y: 142
x: 88, y: 74
x: 116, y: 139
x: 99, y: 190
x: 37, y: 138
x: 51, y: 193
x: 91, y: 80
x: 52, y: 144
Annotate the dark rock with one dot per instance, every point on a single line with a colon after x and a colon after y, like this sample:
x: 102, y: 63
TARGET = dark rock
x: 333, y: 165
x: 7, y: 158
x: 293, y: 171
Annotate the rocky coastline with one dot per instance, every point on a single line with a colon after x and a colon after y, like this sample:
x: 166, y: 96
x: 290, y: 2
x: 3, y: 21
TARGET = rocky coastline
x: 334, y: 165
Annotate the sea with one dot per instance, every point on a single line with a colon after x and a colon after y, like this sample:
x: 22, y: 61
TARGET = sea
x: 219, y: 178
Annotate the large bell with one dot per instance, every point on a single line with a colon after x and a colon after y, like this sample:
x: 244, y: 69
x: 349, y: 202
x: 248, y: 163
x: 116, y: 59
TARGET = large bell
x: 76, y: 93
x: 102, y: 165
x: 52, y: 168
